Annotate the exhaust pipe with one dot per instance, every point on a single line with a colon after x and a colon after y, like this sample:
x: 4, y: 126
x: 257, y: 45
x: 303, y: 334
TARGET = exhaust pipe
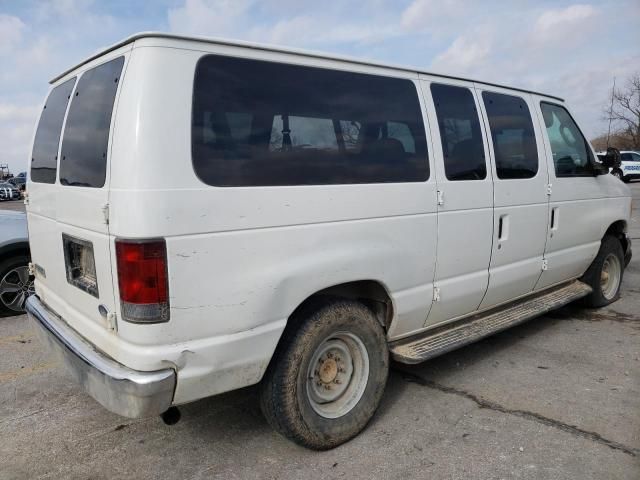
x: 171, y: 416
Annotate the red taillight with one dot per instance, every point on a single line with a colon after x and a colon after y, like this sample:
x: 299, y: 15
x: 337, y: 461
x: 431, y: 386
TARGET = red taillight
x: 142, y: 279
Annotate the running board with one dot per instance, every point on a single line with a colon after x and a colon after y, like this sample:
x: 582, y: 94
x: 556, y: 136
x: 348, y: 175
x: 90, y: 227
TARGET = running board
x: 470, y: 329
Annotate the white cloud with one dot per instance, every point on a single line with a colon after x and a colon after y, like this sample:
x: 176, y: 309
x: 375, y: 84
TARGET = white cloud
x: 423, y: 14
x: 561, y: 19
x: 466, y: 54
x: 11, y: 30
x: 565, y: 28
x: 208, y: 17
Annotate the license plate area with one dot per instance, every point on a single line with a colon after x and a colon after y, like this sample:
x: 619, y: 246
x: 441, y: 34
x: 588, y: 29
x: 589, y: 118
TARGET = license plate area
x: 80, y: 264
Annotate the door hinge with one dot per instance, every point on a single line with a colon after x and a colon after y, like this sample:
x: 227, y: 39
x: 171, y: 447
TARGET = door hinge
x: 105, y: 213
x: 436, y: 294
x: 549, y: 188
x: 440, y: 197
x: 545, y: 264
x: 111, y: 321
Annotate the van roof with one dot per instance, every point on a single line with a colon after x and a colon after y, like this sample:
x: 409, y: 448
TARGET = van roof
x: 295, y: 51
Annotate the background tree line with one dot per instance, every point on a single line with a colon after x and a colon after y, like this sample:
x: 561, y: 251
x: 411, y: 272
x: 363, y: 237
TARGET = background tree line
x: 625, y: 117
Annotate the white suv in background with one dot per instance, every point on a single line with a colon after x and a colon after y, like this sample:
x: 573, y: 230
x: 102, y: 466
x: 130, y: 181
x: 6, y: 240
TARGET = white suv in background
x: 629, y: 167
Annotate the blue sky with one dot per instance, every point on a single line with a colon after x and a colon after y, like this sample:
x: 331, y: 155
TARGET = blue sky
x: 568, y: 48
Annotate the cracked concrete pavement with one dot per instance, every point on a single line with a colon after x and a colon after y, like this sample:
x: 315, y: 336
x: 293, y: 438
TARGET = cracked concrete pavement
x: 558, y: 397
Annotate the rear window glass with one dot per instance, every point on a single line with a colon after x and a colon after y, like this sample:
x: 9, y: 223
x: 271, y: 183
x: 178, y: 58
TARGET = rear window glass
x: 460, y: 134
x: 259, y: 123
x: 44, y: 157
x: 514, y: 141
x: 86, y: 134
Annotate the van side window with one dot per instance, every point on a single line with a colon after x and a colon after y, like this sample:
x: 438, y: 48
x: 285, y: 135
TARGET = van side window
x: 86, y: 133
x: 460, y: 133
x: 570, y: 150
x: 514, y: 141
x: 258, y: 123
x: 44, y: 157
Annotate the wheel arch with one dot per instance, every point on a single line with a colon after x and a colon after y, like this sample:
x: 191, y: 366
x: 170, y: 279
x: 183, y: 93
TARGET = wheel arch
x: 373, y: 293
x: 12, y: 249
x: 618, y: 229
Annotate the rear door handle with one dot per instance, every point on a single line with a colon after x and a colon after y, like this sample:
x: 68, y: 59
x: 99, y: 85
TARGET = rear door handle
x: 503, y: 228
x: 554, y: 218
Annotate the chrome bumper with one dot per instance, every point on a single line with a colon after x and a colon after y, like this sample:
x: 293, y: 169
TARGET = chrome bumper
x: 124, y: 391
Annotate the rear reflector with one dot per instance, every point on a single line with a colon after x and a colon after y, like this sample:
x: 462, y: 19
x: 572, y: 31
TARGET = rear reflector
x: 142, y: 280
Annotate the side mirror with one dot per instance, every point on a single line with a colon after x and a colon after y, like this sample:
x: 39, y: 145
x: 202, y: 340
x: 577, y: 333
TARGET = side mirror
x: 612, y: 158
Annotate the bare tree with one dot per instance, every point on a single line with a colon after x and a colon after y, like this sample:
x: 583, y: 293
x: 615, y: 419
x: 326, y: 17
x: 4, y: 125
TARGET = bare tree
x: 625, y: 113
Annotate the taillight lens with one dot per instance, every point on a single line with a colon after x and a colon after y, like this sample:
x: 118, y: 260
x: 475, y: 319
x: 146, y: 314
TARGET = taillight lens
x: 142, y: 279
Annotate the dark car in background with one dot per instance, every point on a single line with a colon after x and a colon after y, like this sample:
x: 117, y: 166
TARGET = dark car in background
x: 19, y: 181
x: 9, y: 191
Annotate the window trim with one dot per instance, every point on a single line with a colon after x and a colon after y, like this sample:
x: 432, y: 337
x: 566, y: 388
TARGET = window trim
x: 420, y: 103
x: 112, y: 119
x: 591, y: 159
x: 60, y: 135
x: 489, y: 134
x: 487, y: 164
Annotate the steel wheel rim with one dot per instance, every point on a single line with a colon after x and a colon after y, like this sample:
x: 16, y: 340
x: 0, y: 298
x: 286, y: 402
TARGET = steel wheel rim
x: 610, y: 276
x: 15, y: 287
x: 337, y: 375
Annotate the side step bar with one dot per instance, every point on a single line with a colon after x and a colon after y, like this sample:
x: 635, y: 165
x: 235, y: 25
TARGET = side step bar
x: 443, y: 339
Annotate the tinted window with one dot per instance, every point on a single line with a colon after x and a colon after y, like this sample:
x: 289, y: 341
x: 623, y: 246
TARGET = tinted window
x: 86, y: 133
x: 460, y: 133
x: 514, y: 142
x: 263, y: 123
x: 571, y: 154
x: 44, y: 157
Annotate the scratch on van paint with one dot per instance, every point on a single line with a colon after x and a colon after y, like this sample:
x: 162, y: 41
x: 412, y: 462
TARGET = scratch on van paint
x: 182, y: 255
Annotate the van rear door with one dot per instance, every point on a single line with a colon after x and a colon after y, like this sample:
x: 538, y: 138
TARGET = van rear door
x: 69, y: 195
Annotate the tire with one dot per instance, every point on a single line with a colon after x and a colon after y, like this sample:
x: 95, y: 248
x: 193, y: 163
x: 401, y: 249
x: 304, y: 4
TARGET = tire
x: 12, y: 273
x: 293, y: 395
x: 605, y: 273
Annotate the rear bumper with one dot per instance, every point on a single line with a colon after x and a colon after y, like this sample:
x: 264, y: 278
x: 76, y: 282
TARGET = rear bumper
x: 121, y: 390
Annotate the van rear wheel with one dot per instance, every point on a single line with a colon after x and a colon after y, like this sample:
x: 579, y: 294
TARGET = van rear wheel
x: 605, y: 273
x: 328, y: 374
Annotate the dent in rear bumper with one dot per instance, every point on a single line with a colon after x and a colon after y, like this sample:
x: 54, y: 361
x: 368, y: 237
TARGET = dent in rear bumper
x: 118, y: 388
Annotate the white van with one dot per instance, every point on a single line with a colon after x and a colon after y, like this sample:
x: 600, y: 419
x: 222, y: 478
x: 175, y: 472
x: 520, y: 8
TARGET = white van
x: 206, y: 215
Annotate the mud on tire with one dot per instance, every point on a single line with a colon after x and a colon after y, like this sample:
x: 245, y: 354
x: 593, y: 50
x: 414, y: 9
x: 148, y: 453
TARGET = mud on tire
x: 605, y: 273
x: 314, y: 391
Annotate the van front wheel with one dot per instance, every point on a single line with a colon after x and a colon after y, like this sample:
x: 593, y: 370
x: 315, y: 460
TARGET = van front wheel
x: 328, y: 375
x: 605, y: 273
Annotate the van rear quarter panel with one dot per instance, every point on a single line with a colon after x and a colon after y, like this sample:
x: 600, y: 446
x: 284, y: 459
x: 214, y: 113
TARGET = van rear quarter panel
x: 244, y: 258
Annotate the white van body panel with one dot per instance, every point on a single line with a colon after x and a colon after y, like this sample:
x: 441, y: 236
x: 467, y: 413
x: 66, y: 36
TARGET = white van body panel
x: 54, y: 210
x: 227, y: 259
x: 465, y: 229
x: 585, y: 207
x: 522, y: 205
x: 242, y: 259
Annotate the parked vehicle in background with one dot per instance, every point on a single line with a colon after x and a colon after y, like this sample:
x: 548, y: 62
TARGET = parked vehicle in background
x: 630, y: 165
x: 328, y: 214
x: 19, y: 181
x: 9, y: 191
x: 15, y: 282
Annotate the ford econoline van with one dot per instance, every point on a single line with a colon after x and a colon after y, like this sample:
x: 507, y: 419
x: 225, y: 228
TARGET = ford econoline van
x: 206, y: 215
